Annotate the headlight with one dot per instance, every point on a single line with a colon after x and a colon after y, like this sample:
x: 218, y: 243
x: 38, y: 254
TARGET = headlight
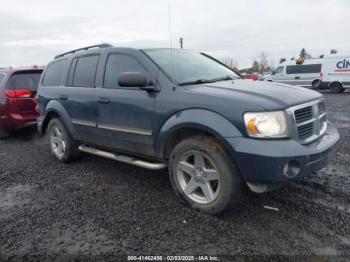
x: 266, y: 124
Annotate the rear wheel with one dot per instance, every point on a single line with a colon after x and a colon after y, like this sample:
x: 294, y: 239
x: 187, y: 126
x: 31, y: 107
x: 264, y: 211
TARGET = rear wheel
x: 203, y: 175
x: 336, y: 88
x: 63, y: 147
x: 316, y: 84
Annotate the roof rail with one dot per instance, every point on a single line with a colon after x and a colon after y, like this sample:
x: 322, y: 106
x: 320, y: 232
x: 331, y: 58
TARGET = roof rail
x: 84, y: 48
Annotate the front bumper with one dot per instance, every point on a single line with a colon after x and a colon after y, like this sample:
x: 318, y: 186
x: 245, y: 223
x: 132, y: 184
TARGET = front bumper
x: 267, y: 164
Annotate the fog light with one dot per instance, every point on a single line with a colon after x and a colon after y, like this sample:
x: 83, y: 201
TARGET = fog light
x: 291, y: 169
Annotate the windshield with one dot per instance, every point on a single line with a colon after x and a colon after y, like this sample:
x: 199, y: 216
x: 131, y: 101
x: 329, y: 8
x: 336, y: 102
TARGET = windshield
x: 185, y: 66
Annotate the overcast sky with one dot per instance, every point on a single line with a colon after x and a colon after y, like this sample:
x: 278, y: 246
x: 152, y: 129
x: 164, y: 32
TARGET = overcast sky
x: 34, y: 31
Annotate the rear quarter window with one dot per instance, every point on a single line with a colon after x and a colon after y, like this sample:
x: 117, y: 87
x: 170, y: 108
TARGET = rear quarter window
x: 25, y: 80
x: 54, y: 73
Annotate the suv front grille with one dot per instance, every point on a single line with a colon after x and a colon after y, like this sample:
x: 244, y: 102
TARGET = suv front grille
x: 303, y: 114
x: 310, y: 120
x: 305, y: 131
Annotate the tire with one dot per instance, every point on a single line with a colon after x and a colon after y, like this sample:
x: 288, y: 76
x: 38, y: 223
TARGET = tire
x: 315, y: 84
x: 3, y: 134
x: 63, y: 147
x: 203, y: 175
x: 336, y: 88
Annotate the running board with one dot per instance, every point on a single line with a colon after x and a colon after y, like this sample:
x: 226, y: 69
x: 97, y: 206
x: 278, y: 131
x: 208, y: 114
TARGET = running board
x: 121, y: 158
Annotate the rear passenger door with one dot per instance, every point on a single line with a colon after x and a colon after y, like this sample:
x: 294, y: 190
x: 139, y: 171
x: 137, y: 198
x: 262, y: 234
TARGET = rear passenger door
x: 125, y: 117
x: 78, y: 96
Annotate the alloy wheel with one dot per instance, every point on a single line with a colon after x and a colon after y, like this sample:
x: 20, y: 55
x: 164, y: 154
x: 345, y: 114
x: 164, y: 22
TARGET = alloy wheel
x: 198, y: 177
x: 58, y: 144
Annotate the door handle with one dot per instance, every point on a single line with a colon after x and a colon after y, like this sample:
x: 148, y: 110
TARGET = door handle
x: 297, y: 77
x: 103, y: 100
x: 63, y: 97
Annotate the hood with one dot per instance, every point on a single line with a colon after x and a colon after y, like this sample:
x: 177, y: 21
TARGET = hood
x: 268, y: 95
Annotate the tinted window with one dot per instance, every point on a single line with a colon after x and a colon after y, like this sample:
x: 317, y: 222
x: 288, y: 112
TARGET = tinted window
x: 303, y: 69
x: 117, y: 64
x: 54, y: 72
x: 85, y: 71
x: 24, y: 80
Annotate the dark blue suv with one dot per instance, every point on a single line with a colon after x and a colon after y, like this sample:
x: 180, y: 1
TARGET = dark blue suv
x: 155, y: 108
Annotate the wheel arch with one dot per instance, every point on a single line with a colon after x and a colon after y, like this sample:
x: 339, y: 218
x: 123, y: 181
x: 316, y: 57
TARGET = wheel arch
x: 334, y: 82
x: 55, y: 110
x: 191, y: 122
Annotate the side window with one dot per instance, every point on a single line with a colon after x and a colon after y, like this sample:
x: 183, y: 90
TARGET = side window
x: 85, y: 71
x: 304, y: 69
x: 279, y: 69
x: 315, y: 68
x: 294, y: 69
x: 118, y: 64
x: 54, y: 72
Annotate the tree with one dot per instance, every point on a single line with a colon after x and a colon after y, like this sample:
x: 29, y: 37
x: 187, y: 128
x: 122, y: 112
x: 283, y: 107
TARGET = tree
x: 333, y: 51
x: 263, y: 61
x: 304, y: 54
x: 255, y: 67
x: 283, y: 59
x: 230, y: 62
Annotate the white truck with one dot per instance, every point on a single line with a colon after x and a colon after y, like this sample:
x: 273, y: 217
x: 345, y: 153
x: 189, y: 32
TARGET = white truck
x: 335, y: 72
x: 304, y: 73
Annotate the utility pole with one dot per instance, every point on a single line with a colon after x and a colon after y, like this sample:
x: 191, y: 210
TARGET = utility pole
x: 181, y: 42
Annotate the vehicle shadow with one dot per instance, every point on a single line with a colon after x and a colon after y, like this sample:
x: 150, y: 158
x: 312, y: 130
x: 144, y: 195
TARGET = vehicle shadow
x: 27, y: 133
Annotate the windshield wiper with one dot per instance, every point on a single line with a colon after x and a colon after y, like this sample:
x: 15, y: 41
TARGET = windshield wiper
x: 223, y: 78
x: 195, y: 82
x: 203, y: 81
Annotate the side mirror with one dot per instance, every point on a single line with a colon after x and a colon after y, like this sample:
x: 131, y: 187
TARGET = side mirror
x: 133, y: 79
x: 273, y: 73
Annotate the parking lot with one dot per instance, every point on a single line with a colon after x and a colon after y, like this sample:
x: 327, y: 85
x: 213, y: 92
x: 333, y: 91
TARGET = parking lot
x: 95, y: 206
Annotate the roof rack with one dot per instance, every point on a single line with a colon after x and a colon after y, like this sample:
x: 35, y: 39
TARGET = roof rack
x: 84, y: 48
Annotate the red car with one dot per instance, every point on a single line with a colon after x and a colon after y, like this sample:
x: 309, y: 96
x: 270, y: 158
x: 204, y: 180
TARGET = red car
x: 251, y: 76
x: 18, y: 88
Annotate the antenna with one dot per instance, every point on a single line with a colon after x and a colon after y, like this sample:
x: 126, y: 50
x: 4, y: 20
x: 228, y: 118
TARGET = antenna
x: 170, y: 37
x: 181, y: 42
x: 171, y: 44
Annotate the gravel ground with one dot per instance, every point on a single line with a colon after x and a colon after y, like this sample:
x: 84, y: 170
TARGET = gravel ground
x: 96, y: 206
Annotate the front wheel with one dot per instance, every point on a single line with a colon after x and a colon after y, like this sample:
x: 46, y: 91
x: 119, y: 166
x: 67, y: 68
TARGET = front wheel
x: 63, y: 147
x: 316, y: 84
x: 203, y: 175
